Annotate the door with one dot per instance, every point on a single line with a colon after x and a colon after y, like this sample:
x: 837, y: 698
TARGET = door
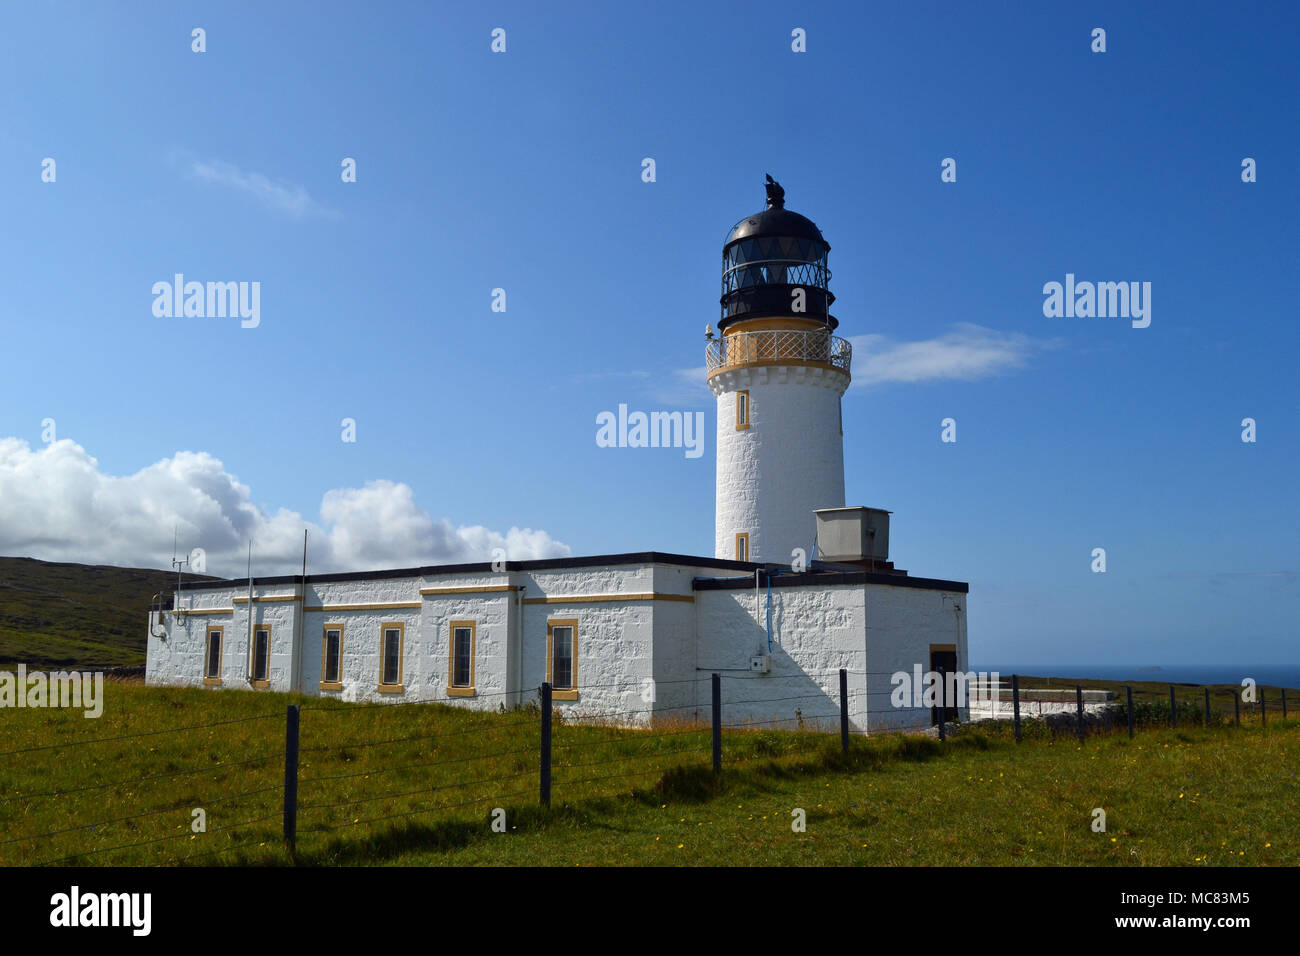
x: 943, y: 660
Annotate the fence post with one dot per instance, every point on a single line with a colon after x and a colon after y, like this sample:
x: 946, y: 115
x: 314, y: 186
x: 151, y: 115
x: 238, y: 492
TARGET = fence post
x: 1130, y: 712
x: 546, y: 745
x: 717, y: 722
x: 1284, y: 703
x: 1236, y: 707
x: 1078, y: 700
x: 844, y: 709
x: 1263, y: 709
x: 291, y: 778
x: 1206, y: 721
x: 1015, y: 703
x: 943, y: 702
x: 1173, y: 708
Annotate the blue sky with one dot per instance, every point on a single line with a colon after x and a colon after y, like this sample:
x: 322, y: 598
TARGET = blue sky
x: 522, y: 171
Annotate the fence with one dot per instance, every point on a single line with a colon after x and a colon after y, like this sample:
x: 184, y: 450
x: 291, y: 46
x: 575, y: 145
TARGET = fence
x: 1195, y: 707
x: 318, y: 773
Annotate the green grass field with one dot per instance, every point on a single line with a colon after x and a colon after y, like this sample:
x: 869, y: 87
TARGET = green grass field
x: 417, y: 784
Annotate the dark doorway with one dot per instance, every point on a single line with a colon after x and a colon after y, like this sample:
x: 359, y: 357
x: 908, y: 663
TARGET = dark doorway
x: 943, y: 660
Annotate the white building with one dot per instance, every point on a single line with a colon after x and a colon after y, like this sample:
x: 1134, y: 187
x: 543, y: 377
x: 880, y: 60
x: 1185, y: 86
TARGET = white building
x: 789, y: 598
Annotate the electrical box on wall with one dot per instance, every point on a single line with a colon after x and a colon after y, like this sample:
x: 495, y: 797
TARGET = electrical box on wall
x: 760, y: 664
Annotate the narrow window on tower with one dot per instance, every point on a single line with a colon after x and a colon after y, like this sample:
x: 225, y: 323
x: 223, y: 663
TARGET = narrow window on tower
x: 460, y: 682
x: 331, y: 658
x: 742, y: 409
x: 212, y: 663
x: 262, y: 656
x: 562, y: 658
x: 742, y: 546
x: 841, y: 416
x: 390, y: 658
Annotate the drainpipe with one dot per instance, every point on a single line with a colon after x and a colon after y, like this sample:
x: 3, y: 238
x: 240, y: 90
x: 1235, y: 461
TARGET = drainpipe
x: 769, y: 614
x: 295, y: 682
x: 519, y: 645
x: 249, y: 668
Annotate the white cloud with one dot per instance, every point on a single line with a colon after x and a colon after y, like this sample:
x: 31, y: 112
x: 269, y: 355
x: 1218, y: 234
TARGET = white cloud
x: 56, y: 505
x: 280, y: 196
x: 965, y: 353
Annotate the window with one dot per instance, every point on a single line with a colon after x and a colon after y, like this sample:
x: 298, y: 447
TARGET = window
x: 262, y: 656
x: 212, y: 660
x: 742, y: 409
x: 562, y: 658
x: 742, y: 546
x: 460, y: 682
x: 390, y: 658
x: 331, y: 658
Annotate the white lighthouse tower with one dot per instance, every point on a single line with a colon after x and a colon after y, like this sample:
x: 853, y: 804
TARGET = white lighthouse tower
x: 778, y: 374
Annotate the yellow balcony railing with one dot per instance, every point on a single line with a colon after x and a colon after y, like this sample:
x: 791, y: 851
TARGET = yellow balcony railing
x: 806, y: 346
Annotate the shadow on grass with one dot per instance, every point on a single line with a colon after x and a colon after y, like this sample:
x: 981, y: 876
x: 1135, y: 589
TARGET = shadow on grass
x: 444, y: 836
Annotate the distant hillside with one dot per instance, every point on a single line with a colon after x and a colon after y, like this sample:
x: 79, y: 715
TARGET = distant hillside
x: 75, y: 615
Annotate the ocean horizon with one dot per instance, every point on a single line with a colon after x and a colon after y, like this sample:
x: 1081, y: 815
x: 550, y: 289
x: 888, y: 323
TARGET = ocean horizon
x: 1275, y: 675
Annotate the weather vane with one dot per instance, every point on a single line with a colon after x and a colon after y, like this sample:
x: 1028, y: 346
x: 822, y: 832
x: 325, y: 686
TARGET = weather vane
x: 775, y: 194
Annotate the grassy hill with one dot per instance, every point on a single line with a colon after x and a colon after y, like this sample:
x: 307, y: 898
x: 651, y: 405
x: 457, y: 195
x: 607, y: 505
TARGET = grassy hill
x: 56, y: 616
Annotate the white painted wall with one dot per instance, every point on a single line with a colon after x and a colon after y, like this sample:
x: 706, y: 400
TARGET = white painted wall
x: 815, y: 632
x: 902, y: 623
x: 789, y: 462
x: 623, y: 645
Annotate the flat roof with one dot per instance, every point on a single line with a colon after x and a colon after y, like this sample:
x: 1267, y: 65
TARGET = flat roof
x: 824, y: 577
x: 780, y: 575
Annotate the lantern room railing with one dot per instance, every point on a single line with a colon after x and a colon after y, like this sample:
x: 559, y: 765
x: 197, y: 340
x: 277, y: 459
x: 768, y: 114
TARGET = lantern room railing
x: 813, y: 346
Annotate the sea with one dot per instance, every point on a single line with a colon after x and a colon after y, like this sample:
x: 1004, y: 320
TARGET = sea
x: 1272, y: 675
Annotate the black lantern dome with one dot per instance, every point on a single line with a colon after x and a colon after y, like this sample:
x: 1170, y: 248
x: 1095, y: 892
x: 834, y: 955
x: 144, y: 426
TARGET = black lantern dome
x: 766, y: 257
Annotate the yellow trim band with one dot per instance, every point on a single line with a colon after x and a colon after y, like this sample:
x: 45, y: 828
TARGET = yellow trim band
x: 364, y: 607
x: 482, y: 589
x: 603, y: 598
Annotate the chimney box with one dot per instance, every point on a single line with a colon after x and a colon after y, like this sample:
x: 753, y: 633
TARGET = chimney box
x: 853, y: 534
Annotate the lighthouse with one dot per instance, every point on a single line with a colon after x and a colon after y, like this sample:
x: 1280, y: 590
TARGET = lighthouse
x: 779, y: 374
x: 836, y: 629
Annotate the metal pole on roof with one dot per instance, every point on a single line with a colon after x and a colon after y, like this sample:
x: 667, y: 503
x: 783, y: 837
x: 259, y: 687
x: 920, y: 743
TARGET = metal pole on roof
x: 251, y: 616
x: 296, y: 683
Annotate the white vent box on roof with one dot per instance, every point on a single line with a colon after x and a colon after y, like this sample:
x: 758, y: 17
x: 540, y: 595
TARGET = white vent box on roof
x: 852, y: 534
